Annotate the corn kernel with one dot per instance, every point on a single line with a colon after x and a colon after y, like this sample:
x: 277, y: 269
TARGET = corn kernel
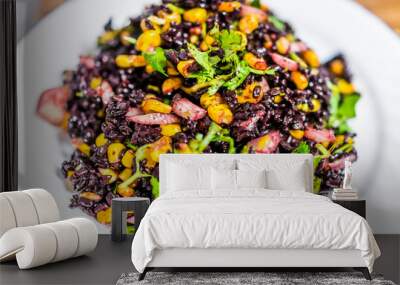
x: 277, y: 99
x: 337, y: 67
x: 220, y: 113
x: 148, y: 41
x: 339, y: 139
x: 170, y: 129
x: 282, y: 45
x: 104, y: 217
x: 184, y: 66
x: 316, y: 105
x: 345, y: 87
x: 123, y: 61
x: 255, y: 62
x: 207, y: 100
x: 299, y: 79
x: 229, y: 7
x: 101, y: 140
x: 171, y: 84
x: 194, y: 39
x: 172, y: 71
x: 126, y: 191
x: 209, y: 40
x: 155, y: 106
x: 311, y: 58
x: 248, y: 23
x: 95, y: 82
x: 127, y: 159
x: 114, y: 151
x: 195, y: 15
x: 125, y: 174
x: 149, y: 69
x: 203, y: 46
x: 297, y: 134
x: 84, y: 148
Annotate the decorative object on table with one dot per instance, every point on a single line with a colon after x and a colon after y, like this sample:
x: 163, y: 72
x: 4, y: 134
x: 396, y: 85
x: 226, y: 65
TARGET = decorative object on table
x: 120, y: 208
x: 248, y: 278
x: 31, y: 231
x: 356, y: 206
x: 348, y: 173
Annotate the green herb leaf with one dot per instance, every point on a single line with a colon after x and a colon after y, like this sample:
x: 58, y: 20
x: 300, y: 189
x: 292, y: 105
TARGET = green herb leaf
x: 157, y: 60
x: 277, y: 23
x: 303, y: 147
x: 241, y: 73
x: 256, y: 4
x: 203, y: 59
x: 230, y: 41
x: 347, y: 108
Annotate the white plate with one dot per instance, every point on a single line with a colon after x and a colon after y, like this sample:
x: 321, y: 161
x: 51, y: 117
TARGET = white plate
x: 329, y: 26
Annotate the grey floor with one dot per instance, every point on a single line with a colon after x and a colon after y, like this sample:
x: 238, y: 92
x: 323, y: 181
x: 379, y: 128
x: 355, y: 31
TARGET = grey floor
x: 110, y: 260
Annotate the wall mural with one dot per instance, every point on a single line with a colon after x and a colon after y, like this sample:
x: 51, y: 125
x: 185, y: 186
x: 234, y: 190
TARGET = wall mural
x: 220, y: 78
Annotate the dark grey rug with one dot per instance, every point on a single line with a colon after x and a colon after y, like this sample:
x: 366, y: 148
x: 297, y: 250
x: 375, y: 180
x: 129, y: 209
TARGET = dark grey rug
x: 243, y: 278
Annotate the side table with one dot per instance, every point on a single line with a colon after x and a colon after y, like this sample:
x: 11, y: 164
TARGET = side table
x: 138, y: 205
x: 357, y: 206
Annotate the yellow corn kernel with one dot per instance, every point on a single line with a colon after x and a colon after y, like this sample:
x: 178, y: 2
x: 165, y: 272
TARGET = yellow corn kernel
x: 350, y: 140
x: 339, y: 139
x: 171, y: 84
x: 277, y: 99
x: 110, y: 174
x: 282, y: 45
x: 345, y: 87
x: 127, y: 61
x: 90, y: 196
x: 297, y: 134
x: 104, y: 217
x: 207, y: 100
x: 195, y: 15
x: 126, y: 191
x: 148, y: 41
x: 220, y: 113
x: 106, y: 37
x: 84, y: 148
x: 100, y: 113
x: 184, y: 66
x: 337, y: 67
x: 229, y: 6
x: 163, y: 145
x: 95, y: 82
x: 70, y: 173
x: 125, y: 174
x: 149, y: 69
x: 203, y: 46
x: 114, y: 152
x: 101, y: 140
x: 194, y: 39
x: 155, y: 106
x: 127, y: 159
x: 247, y: 94
x: 311, y: 58
x: 299, y: 79
x: 316, y: 105
x: 255, y: 62
x: 248, y: 23
x: 172, y: 71
x: 170, y: 129
x: 209, y: 40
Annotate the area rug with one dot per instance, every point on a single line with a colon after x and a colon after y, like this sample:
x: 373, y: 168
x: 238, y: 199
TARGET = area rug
x: 243, y: 278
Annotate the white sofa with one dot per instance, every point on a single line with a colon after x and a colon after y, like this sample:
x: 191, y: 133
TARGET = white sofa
x: 31, y: 231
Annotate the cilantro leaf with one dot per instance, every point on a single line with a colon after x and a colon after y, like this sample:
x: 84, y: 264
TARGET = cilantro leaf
x: 303, y: 147
x: 241, y: 73
x: 204, y: 60
x: 230, y: 41
x: 157, y: 60
x: 277, y: 23
x: 256, y: 3
x: 347, y: 108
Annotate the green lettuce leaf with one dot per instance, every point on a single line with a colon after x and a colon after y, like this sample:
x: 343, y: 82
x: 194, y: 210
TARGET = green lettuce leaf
x: 303, y: 147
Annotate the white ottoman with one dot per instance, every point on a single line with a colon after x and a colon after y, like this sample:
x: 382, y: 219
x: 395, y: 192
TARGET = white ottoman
x: 31, y: 233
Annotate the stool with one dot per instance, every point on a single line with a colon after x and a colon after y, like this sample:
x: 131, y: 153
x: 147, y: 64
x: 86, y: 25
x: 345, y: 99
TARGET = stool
x: 120, y: 206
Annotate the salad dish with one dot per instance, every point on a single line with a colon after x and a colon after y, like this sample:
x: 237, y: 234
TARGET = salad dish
x: 198, y: 76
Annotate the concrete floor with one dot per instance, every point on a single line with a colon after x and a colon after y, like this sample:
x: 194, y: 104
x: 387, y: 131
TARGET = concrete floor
x: 110, y: 260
